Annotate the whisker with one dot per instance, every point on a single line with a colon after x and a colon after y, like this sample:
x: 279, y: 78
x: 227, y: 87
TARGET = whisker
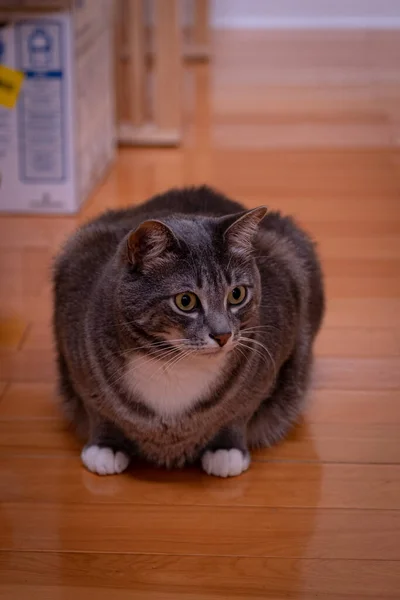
x: 178, y: 360
x: 241, y: 351
x: 246, y: 339
x: 169, y: 363
x: 120, y: 372
x: 158, y: 357
x: 151, y: 351
x: 155, y: 347
x: 258, y: 352
x: 155, y: 355
x: 117, y: 375
x: 156, y: 344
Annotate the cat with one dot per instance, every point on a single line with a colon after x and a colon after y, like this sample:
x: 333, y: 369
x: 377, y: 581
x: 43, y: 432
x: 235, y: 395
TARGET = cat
x: 184, y: 331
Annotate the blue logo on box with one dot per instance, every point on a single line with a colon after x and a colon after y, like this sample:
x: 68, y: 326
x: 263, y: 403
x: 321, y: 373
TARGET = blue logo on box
x: 39, y: 48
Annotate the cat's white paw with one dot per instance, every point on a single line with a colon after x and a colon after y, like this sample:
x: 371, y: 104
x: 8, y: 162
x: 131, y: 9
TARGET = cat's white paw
x: 225, y: 463
x: 104, y: 461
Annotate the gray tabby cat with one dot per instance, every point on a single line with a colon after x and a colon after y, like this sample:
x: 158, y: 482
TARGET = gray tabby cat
x: 184, y: 331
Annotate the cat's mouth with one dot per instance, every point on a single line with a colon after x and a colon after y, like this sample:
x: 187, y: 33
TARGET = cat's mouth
x: 210, y: 350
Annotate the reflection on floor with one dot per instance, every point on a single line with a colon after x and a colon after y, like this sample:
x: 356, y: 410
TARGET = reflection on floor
x: 306, y: 122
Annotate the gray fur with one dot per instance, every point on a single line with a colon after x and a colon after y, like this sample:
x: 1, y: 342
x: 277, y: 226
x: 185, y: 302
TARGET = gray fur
x: 111, y: 295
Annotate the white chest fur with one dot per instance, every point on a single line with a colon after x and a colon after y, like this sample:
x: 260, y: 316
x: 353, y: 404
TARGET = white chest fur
x: 170, y: 390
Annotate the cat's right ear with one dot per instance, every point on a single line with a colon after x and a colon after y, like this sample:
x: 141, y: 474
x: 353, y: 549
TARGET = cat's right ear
x: 149, y: 245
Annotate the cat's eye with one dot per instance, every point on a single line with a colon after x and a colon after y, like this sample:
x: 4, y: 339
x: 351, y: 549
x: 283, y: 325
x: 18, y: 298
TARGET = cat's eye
x: 237, y: 295
x: 186, y: 301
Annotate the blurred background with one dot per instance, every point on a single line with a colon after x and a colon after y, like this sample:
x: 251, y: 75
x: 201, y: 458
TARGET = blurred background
x: 294, y: 104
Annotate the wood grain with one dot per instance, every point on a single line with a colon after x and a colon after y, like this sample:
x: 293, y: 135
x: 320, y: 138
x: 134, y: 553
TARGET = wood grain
x: 356, y: 342
x: 310, y: 533
x: 36, y: 437
x: 354, y: 406
x: 50, y: 479
x: 363, y: 312
x: 357, y: 373
x: 27, y: 364
x: 193, y: 577
x: 30, y: 401
x: 363, y: 287
x: 297, y: 121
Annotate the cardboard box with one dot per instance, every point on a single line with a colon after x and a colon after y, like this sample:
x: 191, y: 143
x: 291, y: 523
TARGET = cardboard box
x: 58, y: 141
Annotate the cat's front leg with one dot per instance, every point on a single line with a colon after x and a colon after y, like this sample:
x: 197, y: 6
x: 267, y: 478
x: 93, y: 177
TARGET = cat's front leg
x: 108, y: 452
x: 227, y: 455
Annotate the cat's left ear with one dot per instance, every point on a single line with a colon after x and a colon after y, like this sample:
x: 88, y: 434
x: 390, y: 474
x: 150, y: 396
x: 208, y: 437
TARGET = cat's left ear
x: 241, y: 229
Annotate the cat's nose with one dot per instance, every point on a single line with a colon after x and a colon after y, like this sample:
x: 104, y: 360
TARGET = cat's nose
x: 221, y: 338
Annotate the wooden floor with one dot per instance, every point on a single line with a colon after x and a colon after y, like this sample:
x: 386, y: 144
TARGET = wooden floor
x: 308, y: 123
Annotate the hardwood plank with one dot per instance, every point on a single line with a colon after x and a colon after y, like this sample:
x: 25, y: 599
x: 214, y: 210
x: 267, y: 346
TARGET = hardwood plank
x: 354, y: 406
x: 18, y: 592
x: 357, y: 247
x: 16, y: 232
x: 192, y: 577
x: 348, y: 169
x: 306, y: 194
x: 285, y: 533
x: 305, y: 134
x: 363, y: 312
x: 48, y: 593
x: 30, y: 401
x: 356, y: 342
x: 3, y: 386
x: 367, y: 228
x: 27, y: 365
x: 39, y: 337
x: 357, y: 373
x: 38, y: 436
x: 12, y: 331
x: 362, y: 287
x: 357, y: 267
x: 338, y: 442
x: 24, y: 270
x: 51, y: 480
x: 20, y: 304
x: 316, y: 110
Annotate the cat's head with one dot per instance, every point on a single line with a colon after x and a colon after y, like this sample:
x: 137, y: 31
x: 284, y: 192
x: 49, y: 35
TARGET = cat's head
x: 192, y: 282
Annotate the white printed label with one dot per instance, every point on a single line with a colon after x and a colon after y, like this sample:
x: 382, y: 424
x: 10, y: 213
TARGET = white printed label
x: 41, y: 126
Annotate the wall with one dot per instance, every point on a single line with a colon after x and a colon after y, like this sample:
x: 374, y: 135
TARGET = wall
x: 305, y: 13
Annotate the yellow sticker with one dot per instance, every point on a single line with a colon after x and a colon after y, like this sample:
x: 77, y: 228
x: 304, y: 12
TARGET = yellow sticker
x: 10, y: 85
